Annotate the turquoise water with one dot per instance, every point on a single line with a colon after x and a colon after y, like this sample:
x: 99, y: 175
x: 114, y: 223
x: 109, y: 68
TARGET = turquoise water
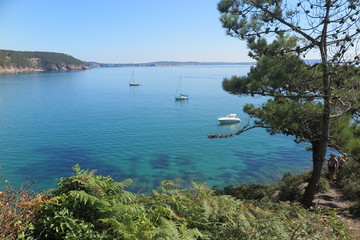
x: 51, y: 121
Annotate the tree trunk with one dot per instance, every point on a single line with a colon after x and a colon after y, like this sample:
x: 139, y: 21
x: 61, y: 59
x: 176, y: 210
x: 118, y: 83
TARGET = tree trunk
x: 320, y: 146
x: 318, y: 162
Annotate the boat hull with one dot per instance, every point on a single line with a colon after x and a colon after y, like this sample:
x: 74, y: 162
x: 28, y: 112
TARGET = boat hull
x: 180, y: 98
x: 134, y: 84
x: 228, y: 121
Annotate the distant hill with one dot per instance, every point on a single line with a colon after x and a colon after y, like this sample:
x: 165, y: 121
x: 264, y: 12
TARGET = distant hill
x: 19, y: 61
x: 162, y: 63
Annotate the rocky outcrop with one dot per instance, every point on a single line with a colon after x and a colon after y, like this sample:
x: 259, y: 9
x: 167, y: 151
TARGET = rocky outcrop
x: 65, y: 67
x: 49, y: 68
x: 15, y: 61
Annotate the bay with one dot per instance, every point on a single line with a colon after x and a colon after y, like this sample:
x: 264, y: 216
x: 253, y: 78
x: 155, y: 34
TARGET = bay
x: 51, y: 121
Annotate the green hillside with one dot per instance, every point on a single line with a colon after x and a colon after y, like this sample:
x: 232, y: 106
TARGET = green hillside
x: 19, y: 61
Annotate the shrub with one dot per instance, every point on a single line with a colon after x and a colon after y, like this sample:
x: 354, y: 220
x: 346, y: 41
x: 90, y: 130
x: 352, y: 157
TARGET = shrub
x: 19, y: 210
x: 349, y: 181
x: 88, y: 206
x: 324, y: 184
x: 355, y: 209
x: 249, y: 192
x: 289, y: 187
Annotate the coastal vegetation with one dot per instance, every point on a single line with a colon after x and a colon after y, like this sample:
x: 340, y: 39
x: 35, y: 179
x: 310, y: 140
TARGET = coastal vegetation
x: 90, y: 206
x: 22, y: 61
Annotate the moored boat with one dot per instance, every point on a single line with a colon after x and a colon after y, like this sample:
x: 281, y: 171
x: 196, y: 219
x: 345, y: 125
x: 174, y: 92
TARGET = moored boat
x: 181, y: 96
x: 132, y: 80
x: 229, y: 119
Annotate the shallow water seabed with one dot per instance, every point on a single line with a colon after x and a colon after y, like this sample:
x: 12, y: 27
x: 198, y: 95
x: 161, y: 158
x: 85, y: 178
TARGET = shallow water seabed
x: 51, y: 121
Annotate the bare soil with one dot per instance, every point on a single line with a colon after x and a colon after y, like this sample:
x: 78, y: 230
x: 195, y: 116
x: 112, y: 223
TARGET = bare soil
x: 334, y: 199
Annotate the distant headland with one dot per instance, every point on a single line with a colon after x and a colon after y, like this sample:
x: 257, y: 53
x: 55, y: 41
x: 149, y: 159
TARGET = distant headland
x: 163, y: 64
x: 25, y: 61
x: 22, y: 61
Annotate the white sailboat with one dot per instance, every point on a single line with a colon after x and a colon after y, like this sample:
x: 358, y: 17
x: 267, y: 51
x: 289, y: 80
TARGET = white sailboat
x: 132, y: 80
x: 181, y: 96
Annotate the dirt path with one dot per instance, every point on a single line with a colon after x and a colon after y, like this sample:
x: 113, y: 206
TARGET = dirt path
x: 334, y: 199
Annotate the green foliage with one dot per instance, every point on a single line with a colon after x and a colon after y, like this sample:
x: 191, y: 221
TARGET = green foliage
x: 87, y: 206
x: 349, y: 181
x: 307, y: 101
x: 337, y: 227
x: 348, y: 137
x: 289, y: 188
x: 355, y: 209
x: 324, y: 184
x: 295, y: 118
x: 224, y: 217
x: 250, y: 192
x: 88, y: 202
x: 295, y: 108
x: 170, y: 230
x: 274, y: 73
x: 345, y: 134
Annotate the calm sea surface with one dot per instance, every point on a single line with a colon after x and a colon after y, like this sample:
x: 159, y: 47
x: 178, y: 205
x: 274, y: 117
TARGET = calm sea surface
x: 51, y: 121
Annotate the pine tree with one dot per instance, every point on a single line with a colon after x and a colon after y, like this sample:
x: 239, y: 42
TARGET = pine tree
x: 308, y: 101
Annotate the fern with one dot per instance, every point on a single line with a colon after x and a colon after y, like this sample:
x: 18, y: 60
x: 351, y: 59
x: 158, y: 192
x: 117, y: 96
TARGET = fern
x: 97, y: 207
x: 170, y: 230
x: 87, y: 199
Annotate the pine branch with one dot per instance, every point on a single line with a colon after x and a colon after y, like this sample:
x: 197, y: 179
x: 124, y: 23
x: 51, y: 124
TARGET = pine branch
x: 242, y: 130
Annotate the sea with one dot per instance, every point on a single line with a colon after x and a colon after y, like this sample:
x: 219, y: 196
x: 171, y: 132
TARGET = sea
x: 51, y: 121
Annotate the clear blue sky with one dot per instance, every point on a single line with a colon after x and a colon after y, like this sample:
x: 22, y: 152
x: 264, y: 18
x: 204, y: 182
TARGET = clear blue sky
x: 120, y: 31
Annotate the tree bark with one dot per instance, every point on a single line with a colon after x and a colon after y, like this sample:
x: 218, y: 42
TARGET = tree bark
x: 320, y: 147
x: 318, y: 162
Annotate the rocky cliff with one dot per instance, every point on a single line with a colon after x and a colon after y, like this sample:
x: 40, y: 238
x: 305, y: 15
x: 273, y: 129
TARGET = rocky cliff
x: 16, y: 61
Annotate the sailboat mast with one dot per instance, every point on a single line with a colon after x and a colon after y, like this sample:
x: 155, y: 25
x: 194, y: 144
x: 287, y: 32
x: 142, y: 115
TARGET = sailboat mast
x: 178, y: 86
x: 132, y: 77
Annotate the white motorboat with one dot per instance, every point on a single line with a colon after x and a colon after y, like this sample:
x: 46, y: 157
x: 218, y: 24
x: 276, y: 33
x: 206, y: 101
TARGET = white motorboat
x: 132, y: 80
x: 229, y: 119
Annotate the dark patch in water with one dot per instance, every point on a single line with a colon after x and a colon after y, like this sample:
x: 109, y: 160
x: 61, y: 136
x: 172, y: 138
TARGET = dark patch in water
x: 253, y: 177
x: 115, y: 173
x: 259, y: 168
x: 169, y: 177
x: 161, y: 162
x: 252, y: 161
x: 183, y: 161
x: 133, y: 162
x: 58, y: 162
x: 197, y: 177
x: 225, y: 176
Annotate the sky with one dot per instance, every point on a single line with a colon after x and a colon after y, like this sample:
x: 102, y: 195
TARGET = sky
x: 120, y: 31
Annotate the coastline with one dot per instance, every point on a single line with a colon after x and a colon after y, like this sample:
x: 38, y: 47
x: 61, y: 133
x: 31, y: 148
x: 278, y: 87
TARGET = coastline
x: 59, y: 68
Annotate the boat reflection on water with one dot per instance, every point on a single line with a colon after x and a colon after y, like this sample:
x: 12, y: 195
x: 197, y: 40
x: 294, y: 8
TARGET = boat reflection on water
x: 230, y: 126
